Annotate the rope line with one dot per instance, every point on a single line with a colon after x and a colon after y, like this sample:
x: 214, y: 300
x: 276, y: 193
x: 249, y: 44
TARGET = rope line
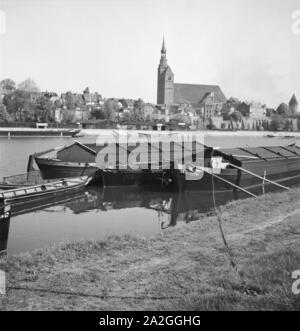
x: 247, y: 289
x: 89, y: 295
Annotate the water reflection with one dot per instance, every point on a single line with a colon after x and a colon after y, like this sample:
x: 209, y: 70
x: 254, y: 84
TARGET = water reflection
x: 96, y: 212
x: 168, y: 209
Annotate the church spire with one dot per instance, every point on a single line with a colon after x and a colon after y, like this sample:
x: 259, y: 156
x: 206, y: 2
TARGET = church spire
x: 163, y: 58
x: 163, y: 49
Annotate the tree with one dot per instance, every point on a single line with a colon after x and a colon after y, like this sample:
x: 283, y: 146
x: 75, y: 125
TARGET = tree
x: 110, y: 109
x: 28, y: 85
x: 72, y: 101
x: 282, y: 109
x: 8, y: 85
x: 124, y: 103
x: 278, y: 122
x: 138, y: 110
x: 231, y: 103
x: 19, y: 105
x: 43, y: 109
x: 4, y: 115
x: 236, y: 116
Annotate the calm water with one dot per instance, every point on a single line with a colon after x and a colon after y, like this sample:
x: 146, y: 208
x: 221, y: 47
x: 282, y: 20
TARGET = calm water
x: 97, y: 213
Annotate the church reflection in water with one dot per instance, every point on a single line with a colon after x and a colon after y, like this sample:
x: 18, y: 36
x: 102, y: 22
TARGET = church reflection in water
x: 170, y: 207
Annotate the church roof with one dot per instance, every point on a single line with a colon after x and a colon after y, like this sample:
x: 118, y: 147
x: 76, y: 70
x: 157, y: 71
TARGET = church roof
x: 194, y: 94
x: 293, y: 101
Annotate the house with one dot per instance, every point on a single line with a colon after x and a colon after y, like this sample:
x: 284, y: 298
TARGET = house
x: 270, y: 112
x: 148, y: 111
x: 91, y: 99
x: 254, y: 110
x: 210, y: 105
x: 58, y: 115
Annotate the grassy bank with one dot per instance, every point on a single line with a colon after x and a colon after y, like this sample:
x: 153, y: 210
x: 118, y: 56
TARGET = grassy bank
x: 187, y: 267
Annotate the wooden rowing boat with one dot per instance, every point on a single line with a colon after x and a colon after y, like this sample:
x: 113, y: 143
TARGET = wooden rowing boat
x: 21, y: 195
x: 23, y: 180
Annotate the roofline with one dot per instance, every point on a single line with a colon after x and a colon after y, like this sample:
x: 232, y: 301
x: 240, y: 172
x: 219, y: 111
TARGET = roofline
x: 210, y: 85
x: 76, y: 142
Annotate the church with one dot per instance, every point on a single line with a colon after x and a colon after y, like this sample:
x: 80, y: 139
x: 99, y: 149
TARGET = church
x: 199, y: 96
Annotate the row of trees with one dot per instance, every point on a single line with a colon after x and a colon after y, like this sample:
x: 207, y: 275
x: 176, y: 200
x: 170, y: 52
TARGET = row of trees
x: 24, y: 103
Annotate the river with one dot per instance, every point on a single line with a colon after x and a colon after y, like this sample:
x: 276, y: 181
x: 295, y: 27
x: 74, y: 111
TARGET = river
x: 98, y: 213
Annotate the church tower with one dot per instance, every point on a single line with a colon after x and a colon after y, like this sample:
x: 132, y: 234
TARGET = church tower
x: 293, y: 105
x: 165, y: 80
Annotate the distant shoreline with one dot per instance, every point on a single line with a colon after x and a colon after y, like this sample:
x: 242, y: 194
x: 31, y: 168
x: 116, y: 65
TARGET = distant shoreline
x: 37, y: 132
x: 56, y: 132
x: 94, y: 132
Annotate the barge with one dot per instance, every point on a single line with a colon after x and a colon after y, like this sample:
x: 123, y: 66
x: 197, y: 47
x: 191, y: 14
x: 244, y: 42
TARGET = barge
x: 74, y: 160
x: 207, y: 167
x: 221, y: 170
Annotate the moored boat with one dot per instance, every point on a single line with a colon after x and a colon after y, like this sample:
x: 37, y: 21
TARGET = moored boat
x: 244, y: 168
x: 40, y: 192
x: 51, y: 168
x: 68, y: 161
x: 22, y: 180
x: 229, y: 168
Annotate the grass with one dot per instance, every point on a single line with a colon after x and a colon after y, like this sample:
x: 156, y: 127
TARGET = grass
x: 186, y: 268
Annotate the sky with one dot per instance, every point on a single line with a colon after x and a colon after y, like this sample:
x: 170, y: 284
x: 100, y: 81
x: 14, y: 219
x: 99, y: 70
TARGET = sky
x: 248, y: 47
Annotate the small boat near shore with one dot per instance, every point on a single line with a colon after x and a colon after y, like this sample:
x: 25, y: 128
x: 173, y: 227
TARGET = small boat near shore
x: 40, y: 192
x: 23, y: 180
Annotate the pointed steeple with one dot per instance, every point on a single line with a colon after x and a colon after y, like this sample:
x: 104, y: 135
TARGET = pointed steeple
x: 163, y: 49
x: 294, y: 101
x: 163, y: 58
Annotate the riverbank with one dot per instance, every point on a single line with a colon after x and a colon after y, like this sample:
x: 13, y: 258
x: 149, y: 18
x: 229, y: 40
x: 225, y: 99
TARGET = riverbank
x: 37, y: 133
x: 210, y: 133
x: 184, y: 268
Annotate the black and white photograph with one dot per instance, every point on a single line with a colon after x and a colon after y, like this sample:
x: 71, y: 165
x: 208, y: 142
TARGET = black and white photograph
x: 149, y: 158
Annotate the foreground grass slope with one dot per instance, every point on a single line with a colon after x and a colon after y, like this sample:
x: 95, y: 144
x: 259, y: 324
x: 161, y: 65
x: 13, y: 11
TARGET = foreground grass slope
x: 186, y: 268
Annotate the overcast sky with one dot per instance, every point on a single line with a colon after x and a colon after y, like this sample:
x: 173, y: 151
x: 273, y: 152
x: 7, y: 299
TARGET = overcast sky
x: 245, y: 46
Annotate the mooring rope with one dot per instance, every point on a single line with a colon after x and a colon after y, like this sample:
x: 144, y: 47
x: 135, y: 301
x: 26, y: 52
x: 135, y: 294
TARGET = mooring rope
x: 89, y: 295
x: 249, y: 290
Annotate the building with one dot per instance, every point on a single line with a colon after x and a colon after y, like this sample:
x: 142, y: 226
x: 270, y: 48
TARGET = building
x: 254, y: 110
x: 210, y: 106
x: 165, y: 80
x: 293, y: 105
x: 169, y: 93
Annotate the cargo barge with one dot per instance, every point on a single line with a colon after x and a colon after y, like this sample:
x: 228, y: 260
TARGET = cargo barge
x: 233, y: 168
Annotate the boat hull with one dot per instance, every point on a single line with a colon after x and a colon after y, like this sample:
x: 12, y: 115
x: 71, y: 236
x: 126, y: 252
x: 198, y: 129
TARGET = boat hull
x: 58, y: 169
x: 134, y: 179
x: 275, y: 170
x: 38, y: 193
